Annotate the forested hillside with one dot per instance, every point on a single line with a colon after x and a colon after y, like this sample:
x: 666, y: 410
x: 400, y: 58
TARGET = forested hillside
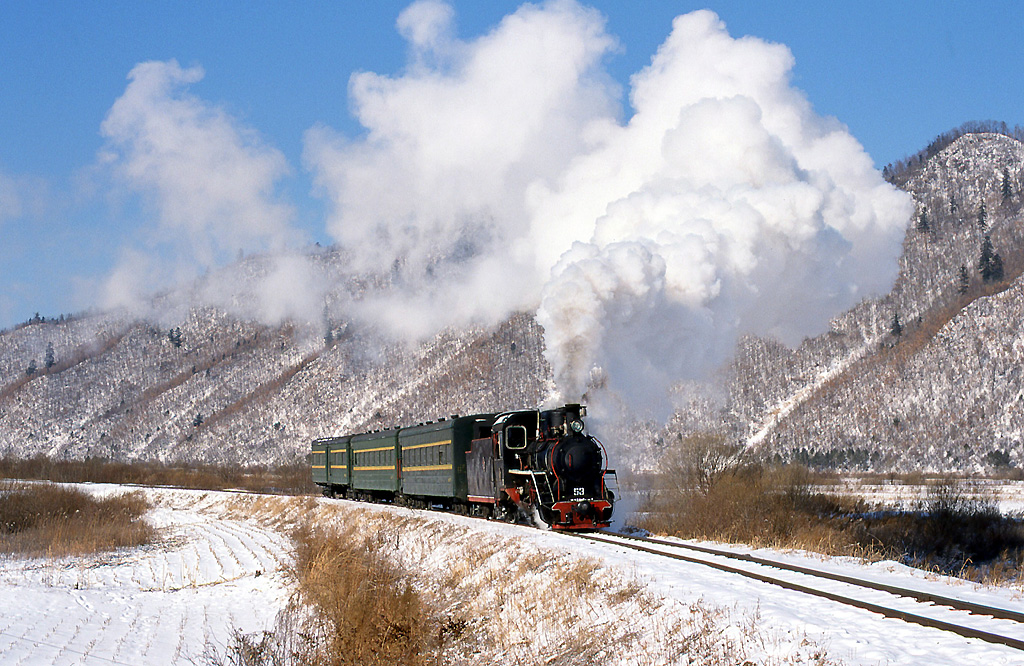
x: 927, y: 376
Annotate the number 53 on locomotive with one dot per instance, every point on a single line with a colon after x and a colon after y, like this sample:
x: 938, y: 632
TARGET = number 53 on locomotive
x: 540, y: 463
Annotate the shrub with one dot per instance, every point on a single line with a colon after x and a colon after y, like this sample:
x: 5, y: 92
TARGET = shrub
x: 288, y: 479
x: 44, y: 519
x: 957, y: 528
x: 709, y: 490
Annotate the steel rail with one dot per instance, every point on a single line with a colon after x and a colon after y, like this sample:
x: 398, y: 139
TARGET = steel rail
x: 967, y: 632
x: 920, y: 595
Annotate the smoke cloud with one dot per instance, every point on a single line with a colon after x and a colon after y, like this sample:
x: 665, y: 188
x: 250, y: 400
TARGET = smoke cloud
x: 499, y: 173
x: 724, y: 206
x: 209, y: 182
x: 437, y: 193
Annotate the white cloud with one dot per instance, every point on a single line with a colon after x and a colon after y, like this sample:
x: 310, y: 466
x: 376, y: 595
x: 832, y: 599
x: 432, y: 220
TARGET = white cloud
x: 22, y: 196
x: 10, y: 199
x: 427, y: 26
x: 209, y: 182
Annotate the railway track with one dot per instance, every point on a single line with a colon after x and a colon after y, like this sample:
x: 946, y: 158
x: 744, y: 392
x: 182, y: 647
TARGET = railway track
x: 804, y: 580
x: 843, y: 589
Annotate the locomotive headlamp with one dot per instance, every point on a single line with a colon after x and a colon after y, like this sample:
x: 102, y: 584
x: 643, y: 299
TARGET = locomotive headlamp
x: 576, y: 425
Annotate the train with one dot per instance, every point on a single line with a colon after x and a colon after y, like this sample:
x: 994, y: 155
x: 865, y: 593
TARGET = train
x: 514, y: 466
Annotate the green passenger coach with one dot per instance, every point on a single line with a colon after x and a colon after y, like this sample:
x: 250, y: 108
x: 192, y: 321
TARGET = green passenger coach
x: 319, y: 463
x: 374, y: 463
x: 330, y: 461
x: 415, y: 466
x: 434, y: 457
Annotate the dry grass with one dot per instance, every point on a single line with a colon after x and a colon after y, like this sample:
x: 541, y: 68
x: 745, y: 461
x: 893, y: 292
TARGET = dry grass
x: 43, y: 519
x: 369, y: 612
x: 378, y: 586
x: 354, y: 604
x: 953, y: 530
x: 287, y: 479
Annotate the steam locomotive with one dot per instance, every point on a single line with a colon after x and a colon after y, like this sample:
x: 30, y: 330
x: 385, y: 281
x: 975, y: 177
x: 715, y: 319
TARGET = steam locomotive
x: 513, y: 465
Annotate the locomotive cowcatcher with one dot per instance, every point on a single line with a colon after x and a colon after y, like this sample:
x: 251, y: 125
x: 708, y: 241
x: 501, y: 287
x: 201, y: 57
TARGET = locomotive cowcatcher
x: 513, y: 465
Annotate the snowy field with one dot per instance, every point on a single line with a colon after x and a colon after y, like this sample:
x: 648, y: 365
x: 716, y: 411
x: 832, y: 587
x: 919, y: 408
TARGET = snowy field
x: 1008, y: 496
x: 219, y: 568
x: 160, y: 604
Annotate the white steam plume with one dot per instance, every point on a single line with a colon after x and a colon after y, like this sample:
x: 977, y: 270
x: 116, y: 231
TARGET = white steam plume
x: 496, y: 174
x: 725, y: 206
x: 210, y: 182
x: 437, y: 192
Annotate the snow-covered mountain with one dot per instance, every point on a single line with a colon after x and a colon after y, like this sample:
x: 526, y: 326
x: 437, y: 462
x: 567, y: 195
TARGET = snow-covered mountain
x: 208, y: 383
x: 942, y: 394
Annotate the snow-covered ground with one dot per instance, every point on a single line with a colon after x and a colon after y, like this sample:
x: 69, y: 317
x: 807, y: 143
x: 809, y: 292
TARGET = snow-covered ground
x: 219, y: 569
x: 1007, y: 496
x: 160, y: 604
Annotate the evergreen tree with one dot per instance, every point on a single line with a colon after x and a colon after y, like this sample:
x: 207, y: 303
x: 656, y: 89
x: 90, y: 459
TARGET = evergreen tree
x: 997, y: 267
x: 952, y: 204
x: 329, y: 335
x: 895, y: 327
x: 31, y: 369
x: 990, y: 264
x: 985, y: 260
x: 49, y: 361
x: 198, y: 420
x: 1007, y: 187
x: 982, y: 218
x: 174, y: 335
x: 922, y: 222
x: 963, y: 280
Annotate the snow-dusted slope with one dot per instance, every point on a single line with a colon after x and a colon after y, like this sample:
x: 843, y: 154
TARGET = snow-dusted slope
x: 943, y: 394
x: 233, y: 385
x: 128, y: 388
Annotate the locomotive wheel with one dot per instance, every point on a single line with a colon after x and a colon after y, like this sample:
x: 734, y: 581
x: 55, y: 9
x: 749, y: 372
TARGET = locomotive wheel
x: 508, y: 513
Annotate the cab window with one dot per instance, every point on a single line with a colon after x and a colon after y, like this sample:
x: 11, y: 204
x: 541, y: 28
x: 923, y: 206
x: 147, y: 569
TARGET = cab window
x: 515, y: 437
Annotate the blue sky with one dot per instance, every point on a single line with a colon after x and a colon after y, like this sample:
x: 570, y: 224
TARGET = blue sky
x: 895, y: 73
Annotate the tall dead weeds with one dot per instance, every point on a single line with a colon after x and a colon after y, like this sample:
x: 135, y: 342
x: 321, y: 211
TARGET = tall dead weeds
x: 44, y: 519
x: 955, y: 529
